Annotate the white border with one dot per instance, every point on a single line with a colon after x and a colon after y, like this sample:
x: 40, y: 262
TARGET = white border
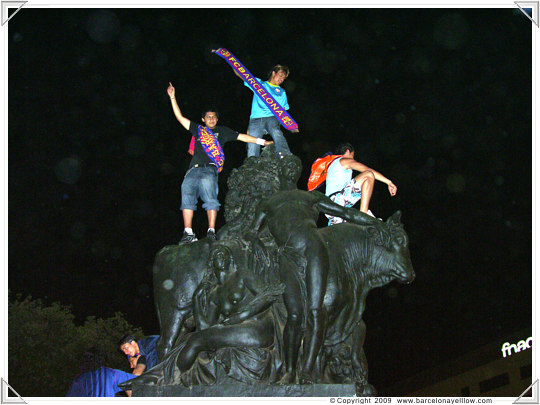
x: 249, y: 3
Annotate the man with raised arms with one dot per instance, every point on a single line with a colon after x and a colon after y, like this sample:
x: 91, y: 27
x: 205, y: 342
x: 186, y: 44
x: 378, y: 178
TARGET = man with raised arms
x: 201, y: 179
x: 262, y: 119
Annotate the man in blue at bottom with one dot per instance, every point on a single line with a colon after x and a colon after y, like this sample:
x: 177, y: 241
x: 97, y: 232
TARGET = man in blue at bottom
x: 102, y: 382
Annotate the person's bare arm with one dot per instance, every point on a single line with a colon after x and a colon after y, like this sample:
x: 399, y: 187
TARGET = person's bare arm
x: 251, y: 139
x: 238, y: 74
x: 178, y: 114
x: 349, y: 163
x: 139, y: 369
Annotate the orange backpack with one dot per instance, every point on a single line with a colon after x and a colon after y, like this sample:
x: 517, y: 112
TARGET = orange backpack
x: 319, y: 170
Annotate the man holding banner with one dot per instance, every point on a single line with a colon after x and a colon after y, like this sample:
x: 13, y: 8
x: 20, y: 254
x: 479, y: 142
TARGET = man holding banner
x: 201, y: 179
x: 269, y: 105
x: 262, y: 120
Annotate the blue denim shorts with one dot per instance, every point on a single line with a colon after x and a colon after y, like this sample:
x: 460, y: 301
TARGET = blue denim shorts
x: 200, y: 182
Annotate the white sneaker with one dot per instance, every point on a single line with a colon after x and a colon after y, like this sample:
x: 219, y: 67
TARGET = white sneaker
x: 371, y: 214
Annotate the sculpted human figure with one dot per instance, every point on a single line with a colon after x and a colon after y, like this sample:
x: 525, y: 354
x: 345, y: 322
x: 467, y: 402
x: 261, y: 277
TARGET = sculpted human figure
x: 231, y: 300
x: 291, y: 217
x: 178, y: 270
x: 233, y: 310
x: 231, y: 313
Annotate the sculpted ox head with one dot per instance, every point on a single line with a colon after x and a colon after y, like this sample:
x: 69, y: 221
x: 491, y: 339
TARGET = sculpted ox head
x: 391, y: 259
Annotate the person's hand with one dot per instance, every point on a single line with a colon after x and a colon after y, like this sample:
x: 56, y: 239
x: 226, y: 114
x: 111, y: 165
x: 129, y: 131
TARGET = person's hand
x: 266, y: 143
x: 170, y: 91
x: 133, y: 361
x: 233, y: 319
x: 392, y: 189
x: 214, y: 50
x: 295, y: 130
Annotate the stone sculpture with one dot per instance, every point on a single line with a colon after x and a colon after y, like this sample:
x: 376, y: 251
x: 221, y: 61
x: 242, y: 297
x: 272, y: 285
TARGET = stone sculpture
x: 241, y: 307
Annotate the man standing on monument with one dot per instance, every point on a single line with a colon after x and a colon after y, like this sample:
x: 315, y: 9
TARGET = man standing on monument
x: 345, y: 190
x: 201, y: 179
x: 262, y: 120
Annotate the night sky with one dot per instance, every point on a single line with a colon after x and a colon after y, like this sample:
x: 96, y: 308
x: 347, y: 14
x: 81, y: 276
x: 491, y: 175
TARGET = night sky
x: 438, y: 100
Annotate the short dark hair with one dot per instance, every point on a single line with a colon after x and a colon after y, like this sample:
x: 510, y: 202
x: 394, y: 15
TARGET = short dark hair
x: 126, y: 339
x: 344, y: 147
x: 277, y: 69
x: 203, y: 114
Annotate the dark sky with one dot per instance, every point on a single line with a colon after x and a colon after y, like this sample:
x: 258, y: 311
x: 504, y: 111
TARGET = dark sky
x: 438, y: 100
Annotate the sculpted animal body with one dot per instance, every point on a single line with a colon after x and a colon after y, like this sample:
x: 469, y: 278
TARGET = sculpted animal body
x: 361, y: 259
x: 178, y: 270
x: 291, y: 218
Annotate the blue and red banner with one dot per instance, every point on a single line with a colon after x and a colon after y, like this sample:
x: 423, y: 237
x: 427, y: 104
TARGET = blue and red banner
x: 211, y: 146
x: 280, y: 113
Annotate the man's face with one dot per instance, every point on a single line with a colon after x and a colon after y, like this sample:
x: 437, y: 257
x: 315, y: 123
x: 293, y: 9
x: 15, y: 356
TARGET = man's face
x: 130, y: 349
x: 210, y: 119
x: 279, y: 77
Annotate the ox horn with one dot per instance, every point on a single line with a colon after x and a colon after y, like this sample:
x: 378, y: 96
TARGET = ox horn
x: 395, y: 218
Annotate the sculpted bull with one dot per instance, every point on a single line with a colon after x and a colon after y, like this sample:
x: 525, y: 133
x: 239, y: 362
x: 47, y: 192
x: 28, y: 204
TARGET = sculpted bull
x: 360, y: 259
x: 316, y: 292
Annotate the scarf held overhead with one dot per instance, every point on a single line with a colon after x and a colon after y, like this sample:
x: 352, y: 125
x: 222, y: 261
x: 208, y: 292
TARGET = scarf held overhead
x: 211, y: 146
x: 276, y: 109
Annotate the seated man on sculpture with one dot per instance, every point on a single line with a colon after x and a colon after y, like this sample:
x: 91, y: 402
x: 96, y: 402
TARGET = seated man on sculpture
x: 345, y: 190
x: 291, y: 217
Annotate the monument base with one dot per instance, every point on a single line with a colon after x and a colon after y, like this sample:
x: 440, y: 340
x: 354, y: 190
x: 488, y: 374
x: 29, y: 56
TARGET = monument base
x: 238, y: 389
